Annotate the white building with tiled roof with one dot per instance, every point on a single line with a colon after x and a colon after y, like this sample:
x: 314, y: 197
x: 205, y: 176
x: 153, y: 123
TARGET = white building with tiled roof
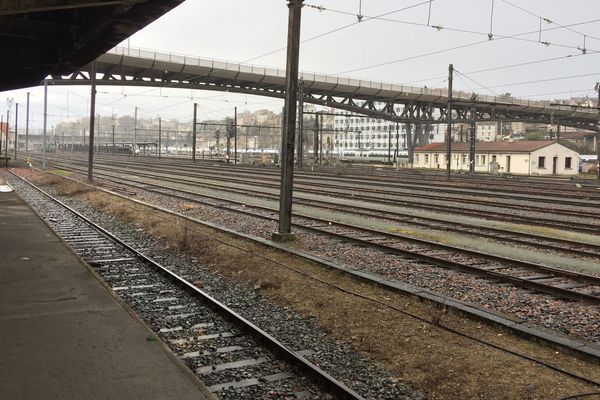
x: 540, y: 157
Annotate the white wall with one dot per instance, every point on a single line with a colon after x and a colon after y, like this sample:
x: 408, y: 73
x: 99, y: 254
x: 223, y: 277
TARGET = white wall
x: 520, y: 163
x: 549, y: 152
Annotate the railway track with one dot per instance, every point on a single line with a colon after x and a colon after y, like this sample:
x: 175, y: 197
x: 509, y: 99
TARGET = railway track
x: 493, y: 318
x: 235, y: 358
x: 538, y: 278
x: 538, y: 220
x: 528, y: 189
x: 564, y: 246
x: 568, y: 196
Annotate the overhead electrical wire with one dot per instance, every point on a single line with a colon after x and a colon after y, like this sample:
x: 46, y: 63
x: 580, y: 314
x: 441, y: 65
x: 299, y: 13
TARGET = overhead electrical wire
x: 561, y: 92
x: 475, y: 82
x: 460, y: 30
x: 548, y: 20
x: 491, y: 69
x: 320, y: 8
x: 461, y: 47
x: 541, y: 80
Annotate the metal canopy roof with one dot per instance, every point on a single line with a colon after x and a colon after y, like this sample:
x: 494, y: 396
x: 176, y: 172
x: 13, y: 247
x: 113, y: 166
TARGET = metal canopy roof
x: 43, y: 37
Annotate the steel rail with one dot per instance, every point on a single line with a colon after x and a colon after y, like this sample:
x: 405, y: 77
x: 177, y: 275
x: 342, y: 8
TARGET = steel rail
x: 522, y: 282
x: 457, y: 188
x: 539, y: 221
x: 329, y: 383
x: 579, y: 348
x: 440, y: 197
x: 443, y: 187
x: 548, y: 289
x: 393, y: 216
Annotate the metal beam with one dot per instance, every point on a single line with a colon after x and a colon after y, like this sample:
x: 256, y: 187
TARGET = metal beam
x: 30, y: 6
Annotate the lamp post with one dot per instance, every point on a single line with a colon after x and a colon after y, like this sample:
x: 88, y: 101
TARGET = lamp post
x: 9, y: 103
x: 598, y: 135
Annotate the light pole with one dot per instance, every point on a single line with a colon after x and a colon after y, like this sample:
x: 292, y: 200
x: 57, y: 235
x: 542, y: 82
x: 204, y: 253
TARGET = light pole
x: 449, y: 127
x: 16, y: 128
x: 598, y: 135
x: 9, y: 103
x: 27, y: 128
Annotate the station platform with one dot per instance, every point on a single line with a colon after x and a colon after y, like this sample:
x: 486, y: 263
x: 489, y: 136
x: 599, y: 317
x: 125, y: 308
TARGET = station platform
x: 63, y: 335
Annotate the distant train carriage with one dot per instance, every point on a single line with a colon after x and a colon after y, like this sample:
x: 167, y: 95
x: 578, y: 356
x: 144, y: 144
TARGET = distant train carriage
x: 373, y: 156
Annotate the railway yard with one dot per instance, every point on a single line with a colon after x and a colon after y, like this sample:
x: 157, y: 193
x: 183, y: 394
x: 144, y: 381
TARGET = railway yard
x: 399, y: 284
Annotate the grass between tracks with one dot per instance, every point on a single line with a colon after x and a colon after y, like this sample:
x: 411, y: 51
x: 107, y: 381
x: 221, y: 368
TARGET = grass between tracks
x: 423, y: 355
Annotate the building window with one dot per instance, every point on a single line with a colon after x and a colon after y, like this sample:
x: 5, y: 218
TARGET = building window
x: 464, y: 159
x: 482, y: 160
x: 567, y: 162
x: 416, y: 158
x: 426, y: 158
x: 437, y: 158
x: 541, y: 162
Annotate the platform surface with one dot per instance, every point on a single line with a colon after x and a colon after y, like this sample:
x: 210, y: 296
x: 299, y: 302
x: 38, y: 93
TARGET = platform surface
x: 62, y: 334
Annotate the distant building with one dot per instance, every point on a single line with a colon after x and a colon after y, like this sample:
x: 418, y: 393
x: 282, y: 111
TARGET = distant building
x: 3, y: 133
x: 542, y: 157
x: 358, y: 132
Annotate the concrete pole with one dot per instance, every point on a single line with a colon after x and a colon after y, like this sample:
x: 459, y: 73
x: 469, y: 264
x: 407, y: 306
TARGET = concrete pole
x: 16, y: 128
x: 194, y: 132
x: 316, y: 140
x: 235, y: 137
x: 98, y: 132
x: 7, y: 131
x: 473, y: 139
x: 449, y: 128
x: 389, y: 157
x: 27, y: 127
x: 113, y: 141
x: 598, y: 135
x: 92, y: 125
x: 135, y: 131
x: 1, y: 131
x: 409, y: 144
x: 397, y: 139
x: 289, y: 133
x: 159, y: 135
x: 45, y: 124
x: 301, y: 123
x: 321, y: 141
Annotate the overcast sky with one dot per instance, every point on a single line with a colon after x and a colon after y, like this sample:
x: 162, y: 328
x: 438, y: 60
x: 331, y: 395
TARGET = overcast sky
x: 411, y: 52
